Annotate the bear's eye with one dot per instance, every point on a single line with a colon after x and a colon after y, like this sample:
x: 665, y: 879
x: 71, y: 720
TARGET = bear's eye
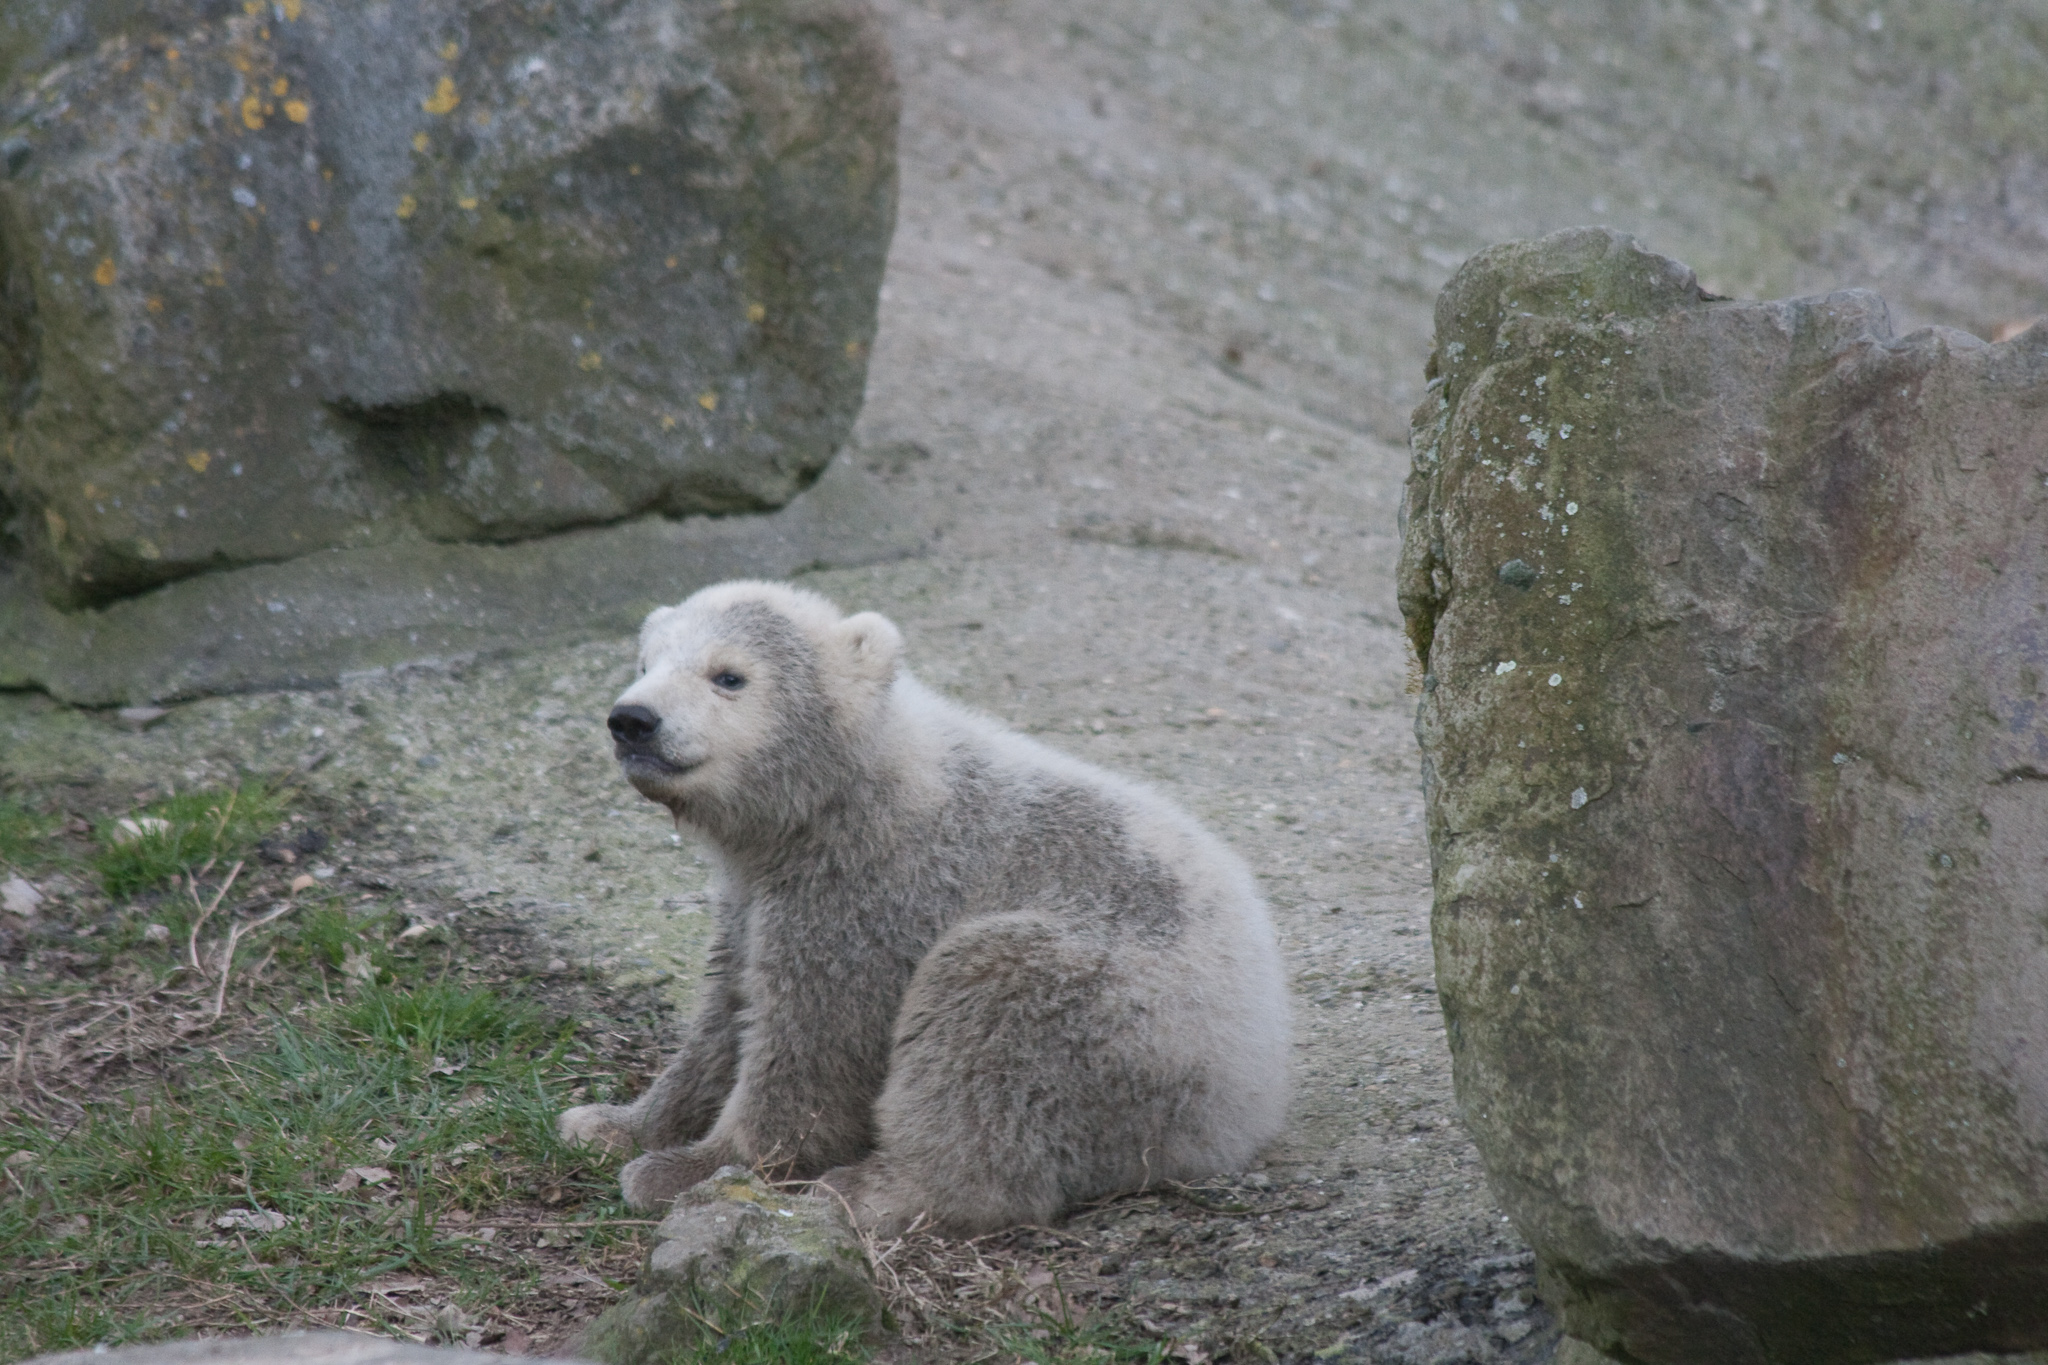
x: 729, y: 680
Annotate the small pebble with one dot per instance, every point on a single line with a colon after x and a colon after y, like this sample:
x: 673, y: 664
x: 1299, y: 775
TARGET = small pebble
x: 18, y: 897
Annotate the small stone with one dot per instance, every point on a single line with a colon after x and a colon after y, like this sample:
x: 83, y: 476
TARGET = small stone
x: 557, y: 965
x: 157, y: 933
x: 130, y: 828
x: 18, y: 897
x: 140, y: 717
x: 735, y: 1241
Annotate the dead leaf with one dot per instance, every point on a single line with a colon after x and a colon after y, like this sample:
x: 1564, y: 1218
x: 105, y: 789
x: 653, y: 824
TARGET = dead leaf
x: 301, y: 882
x: 252, y: 1220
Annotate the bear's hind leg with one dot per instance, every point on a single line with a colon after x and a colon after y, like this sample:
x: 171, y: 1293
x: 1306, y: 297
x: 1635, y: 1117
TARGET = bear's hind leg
x: 1024, y: 1078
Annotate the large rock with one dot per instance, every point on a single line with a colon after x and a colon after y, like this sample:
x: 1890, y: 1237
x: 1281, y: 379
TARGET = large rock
x: 285, y: 277
x: 735, y: 1251
x: 1734, y: 618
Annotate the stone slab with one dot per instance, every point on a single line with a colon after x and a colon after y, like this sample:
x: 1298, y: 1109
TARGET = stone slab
x: 309, y: 621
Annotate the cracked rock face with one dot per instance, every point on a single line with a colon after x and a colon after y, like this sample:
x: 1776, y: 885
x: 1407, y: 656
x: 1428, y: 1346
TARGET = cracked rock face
x: 1734, y: 619
x: 289, y: 277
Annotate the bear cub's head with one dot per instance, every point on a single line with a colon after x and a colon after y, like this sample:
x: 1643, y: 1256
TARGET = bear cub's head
x: 753, y: 701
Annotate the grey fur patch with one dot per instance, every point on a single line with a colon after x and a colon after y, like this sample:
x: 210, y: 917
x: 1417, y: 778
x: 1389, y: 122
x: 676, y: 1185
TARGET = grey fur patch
x: 976, y: 980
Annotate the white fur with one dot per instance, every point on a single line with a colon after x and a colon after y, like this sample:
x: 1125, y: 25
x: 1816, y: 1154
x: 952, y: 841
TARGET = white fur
x: 962, y: 976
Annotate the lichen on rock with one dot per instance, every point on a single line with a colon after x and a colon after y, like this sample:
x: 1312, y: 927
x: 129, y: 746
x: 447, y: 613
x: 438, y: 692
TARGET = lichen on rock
x: 279, y: 281
x: 736, y: 1250
x: 1736, y: 758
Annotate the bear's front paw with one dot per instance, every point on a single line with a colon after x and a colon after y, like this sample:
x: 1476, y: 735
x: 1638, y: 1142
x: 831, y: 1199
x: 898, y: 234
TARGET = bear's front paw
x: 654, y: 1180
x: 607, y: 1127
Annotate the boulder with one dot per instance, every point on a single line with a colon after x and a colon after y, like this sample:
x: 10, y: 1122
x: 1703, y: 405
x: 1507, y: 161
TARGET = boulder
x: 298, y: 276
x: 1734, y: 626
x: 733, y: 1252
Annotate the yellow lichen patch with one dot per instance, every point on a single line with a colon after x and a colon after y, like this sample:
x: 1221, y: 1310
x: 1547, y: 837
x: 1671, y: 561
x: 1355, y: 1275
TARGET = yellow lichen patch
x: 668, y: 424
x: 199, y: 460
x: 589, y: 360
x: 298, y: 111
x: 252, y: 8
x: 670, y: 263
x: 448, y: 51
x: 292, y: 9
x: 147, y: 549
x: 154, y: 303
x: 419, y: 142
x: 170, y: 54
x: 633, y: 169
x: 252, y: 111
x: 444, y: 99
x: 854, y: 349
x: 708, y: 402
x: 467, y: 201
x: 407, y: 207
x: 105, y: 274
x: 280, y: 86
x: 241, y: 63
x: 56, y: 523
x: 312, y: 225
x: 756, y: 311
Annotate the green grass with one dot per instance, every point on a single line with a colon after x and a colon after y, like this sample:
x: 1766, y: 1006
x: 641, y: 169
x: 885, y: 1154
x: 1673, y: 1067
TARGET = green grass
x: 379, y: 1105
x: 1064, y: 1340
x: 745, y: 1338
x: 374, y: 1105
x: 25, y: 835
x: 453, y: 1092
x: 182, y: 833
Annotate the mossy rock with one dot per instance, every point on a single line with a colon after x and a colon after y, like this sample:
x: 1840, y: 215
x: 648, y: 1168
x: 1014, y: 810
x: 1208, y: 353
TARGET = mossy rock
x: 737, y: 1254
x: 286, y: 278
x: 1735, y: 727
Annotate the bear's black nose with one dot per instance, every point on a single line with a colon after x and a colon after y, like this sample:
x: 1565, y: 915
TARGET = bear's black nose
x: 632, y: 724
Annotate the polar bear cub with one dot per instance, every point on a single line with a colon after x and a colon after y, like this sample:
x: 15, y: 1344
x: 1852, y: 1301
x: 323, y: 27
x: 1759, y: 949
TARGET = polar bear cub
x: 965, y: 979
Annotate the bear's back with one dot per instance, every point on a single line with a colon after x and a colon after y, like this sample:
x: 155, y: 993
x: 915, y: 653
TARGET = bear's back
x: 1029, y: 828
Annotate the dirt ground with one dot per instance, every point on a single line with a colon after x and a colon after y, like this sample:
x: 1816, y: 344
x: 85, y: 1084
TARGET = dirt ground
x: 1157, y: 307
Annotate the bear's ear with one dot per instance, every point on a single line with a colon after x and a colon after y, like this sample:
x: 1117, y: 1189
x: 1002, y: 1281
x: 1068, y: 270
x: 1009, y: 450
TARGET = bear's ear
x: 872, y: 645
